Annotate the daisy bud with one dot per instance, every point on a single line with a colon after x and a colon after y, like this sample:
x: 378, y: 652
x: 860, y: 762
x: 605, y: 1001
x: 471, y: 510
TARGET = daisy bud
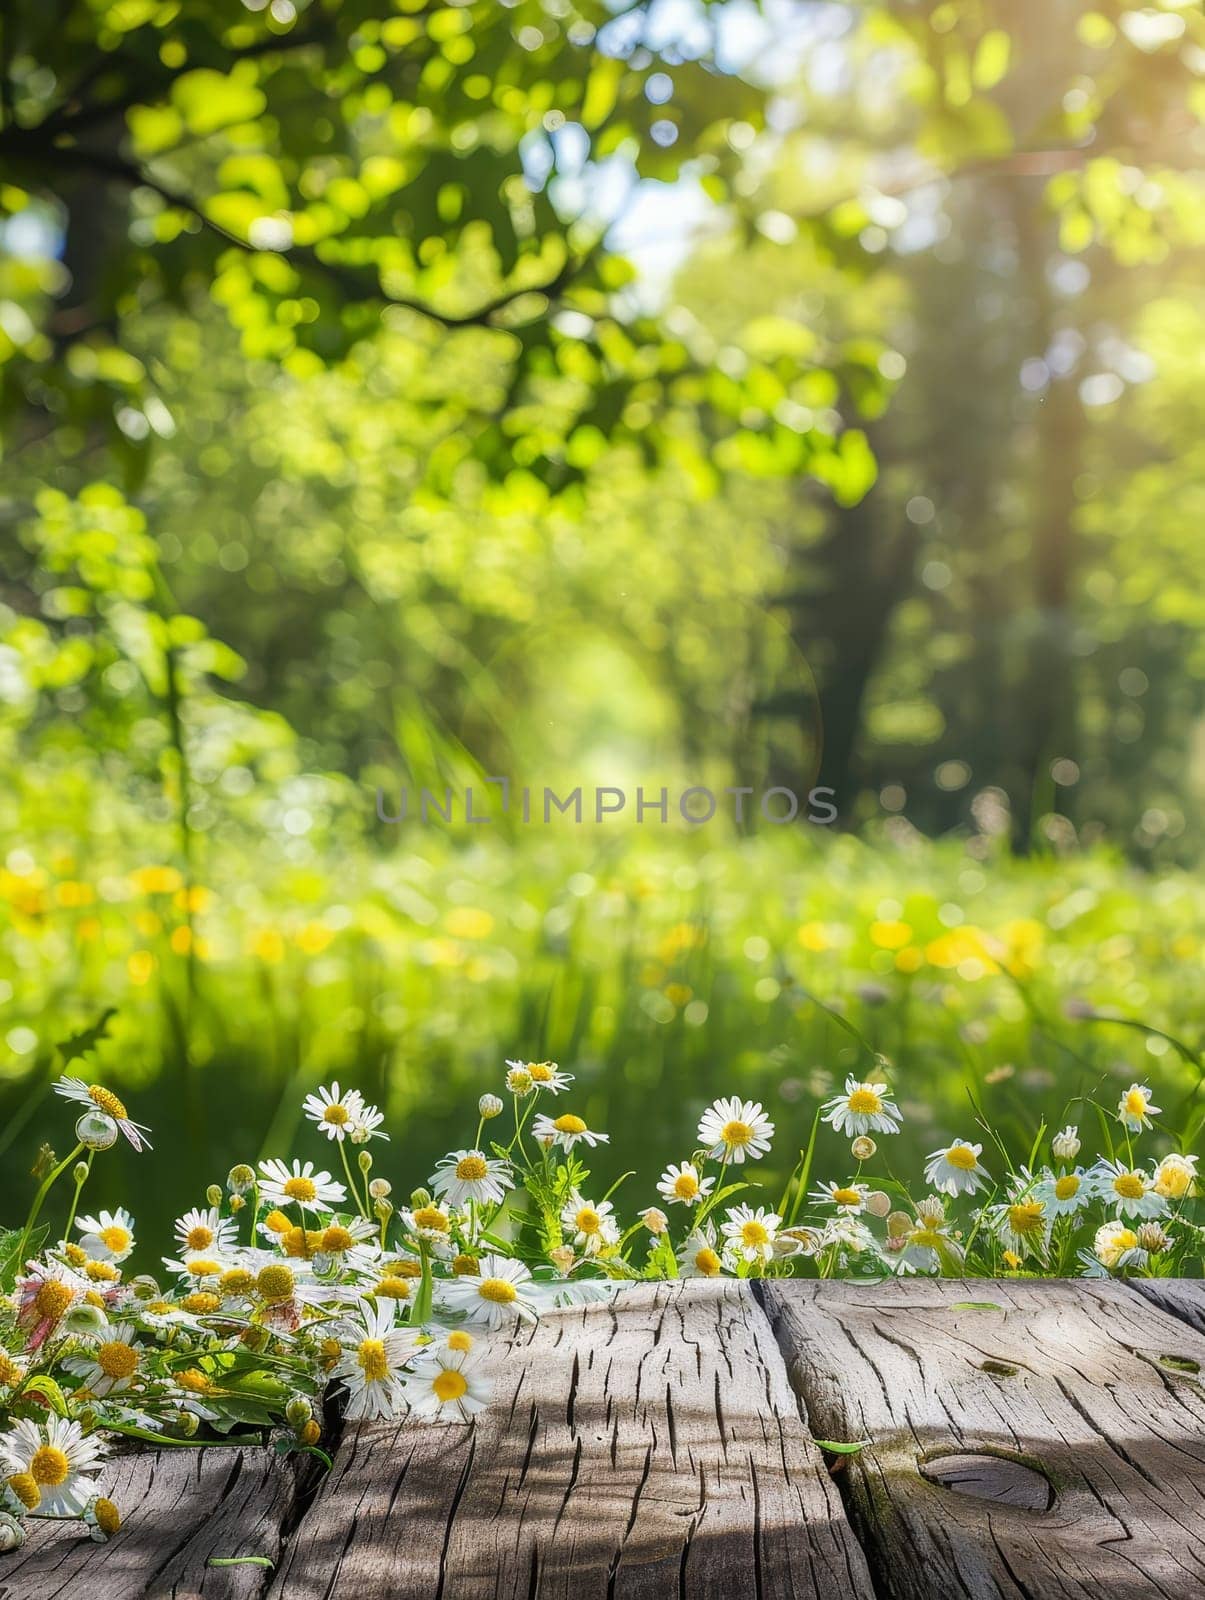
x: 383, y: 1210
x: 878, y: 1203
x: 96, y: 1131
x: 863, y: 1148
x: 298, y: 1413
x: 931, y: 1211
x: 237, y: 1202
x: 1152, y: 1237
x: 489, y: 1106
x: 380, y: 1188
x: 654, y: 1220
x: 420, y: 1198
x: 1065, y: 1145
x: 103, y: 1518
x: 465, y: 1266
x: 311, y: 1433
x: 364, y: 1159
x: 214, y: 1194
x: 518, y: 1081
x: 562, y: 1258
x: 239, y: 1179
x: 899, y: 1223
x: 79, y: 1172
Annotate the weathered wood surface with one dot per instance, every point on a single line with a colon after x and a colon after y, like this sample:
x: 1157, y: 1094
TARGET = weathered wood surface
x: 643, y: 1448
x: 182, y: 1507
x: 1052, y: 1447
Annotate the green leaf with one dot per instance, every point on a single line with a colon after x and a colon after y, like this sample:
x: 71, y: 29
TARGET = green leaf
x: 974, y: 1305
x: 835, y: 1448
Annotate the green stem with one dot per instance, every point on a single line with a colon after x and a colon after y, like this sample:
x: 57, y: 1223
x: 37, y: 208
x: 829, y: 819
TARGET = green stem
x: 38, y: 1201
x: 75, y: 1197
x: 351, y: 1182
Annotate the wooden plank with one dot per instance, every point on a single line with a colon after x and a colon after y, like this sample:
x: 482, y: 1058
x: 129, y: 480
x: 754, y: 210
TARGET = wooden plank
x: 1042, y: 1449
x: 1179, y: 1297
x: 642, y: 1448
x: 180, y: 1508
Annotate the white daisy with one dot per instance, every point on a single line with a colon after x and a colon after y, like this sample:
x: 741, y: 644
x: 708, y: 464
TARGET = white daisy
x: 957, y: 1169
x: 332, y: 1111
x: 198, y: 1231
x: 367, y: 1125
x: 681, y: 1184
x: 199, y: 1270
x: 96, y: 1096
x: 543, y: 1074
x: 1135, y: 1110
x: 1131, y: 1190
x: 749, y: 1234
x: 373, y: 1365
x: 592, y: 1225
x: 847, y: 1235
x: 1115, y: 1245
x: 349, y: 1246
x: 735, y: 1130
x: 1022, y: 1225
x: 1176, y: 1177
x: 566, y: 1131
x: 863, y: 1108
x: 108, y: 1236
x: 432, y: 1224
x: 848, y: 1197
x: 498, y: 1293
x: 59, y: 1457
x: 450, y: 1384
x: 112, y: 1365
x: 44, y: 1298
x: 471, y: 1175
x: 698, y: 1256
x: 1065, y: 1194
x: 302, y: 1186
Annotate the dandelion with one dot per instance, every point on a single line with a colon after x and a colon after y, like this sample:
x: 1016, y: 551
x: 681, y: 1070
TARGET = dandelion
x: 681, y: 1184
x: 300, y: 1186
x: 198, y: 1231
x: 113, y: 1365
x: 1131, y: 1190
x: 542, y: 1075
x: 735, y: 1130
x: 698, y: 1256
x: 749, y: 1234
x: 376, y: 1352
x: 109, y: 1236
x: 1176, y: 1177
x: 847, y: 1196
x: 566, y: 1131
x: 863, y: 1108
x: 469, y: 1175
x: 592, y: 1225
x: 498, y: 1294
x: 448, y: 1383
x: 957, y: 1169
x: 59, y: 1457
x: 1134, y: 1109
x: 96, y: 1095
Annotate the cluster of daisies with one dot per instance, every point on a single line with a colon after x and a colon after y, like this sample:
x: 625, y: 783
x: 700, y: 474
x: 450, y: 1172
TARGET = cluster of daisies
x: 296, y: 1286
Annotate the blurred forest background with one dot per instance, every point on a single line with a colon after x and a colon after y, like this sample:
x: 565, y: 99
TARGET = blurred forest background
x: 397, y: 392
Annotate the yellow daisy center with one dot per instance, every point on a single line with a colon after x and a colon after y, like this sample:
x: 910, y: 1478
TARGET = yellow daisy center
x: 76, y: 1254
x: 1136, y: 1103
x: 847, y: 1197
x: 460, y: 1340
x: 108, y: 1518
x: 539, y: 1072
x: 402, y: 1269
x: 275, y: 1282
x: 962, y: 1157
x: 1026, y: 1218
x: 195, y: 1382
x: 465, y: 1266
x: 336, y: 1239
x: 49, y: 1466
x: 51, y: 1300
x: 707, y: 1262
x: 237, y: 1281
x: 116, y: 1359
x: 302, y: 1189
x: 432, y: 1218
x: 686, y: 1186
x: 394, y: 1288
x: 569, y: 1124
x: 1129, y: 1185
x: 734, y: 1134
x: 26, y: 1490
x: 115, y: 1238
x: 108, y: 1102
x: 449, y: 1385
x: 864, y: 1100
x: 471, y: 1168
x: 199, y: 1238
x: 204, y: 1268
x: 1066, y: 1186
x: 1124, y: 1239
x: 277, y: 1222
x: 754, y: 1232
x: 336, y: 1115
x: 373, y: 1364
x: 102, y: 1272
x: 588, y: 1220
x: 201, y: 1304
x: 498, y: 1290
x: 10, y: 1372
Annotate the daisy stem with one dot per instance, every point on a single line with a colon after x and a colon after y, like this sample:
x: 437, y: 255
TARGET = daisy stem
x: 38, y: 1200
x: 80, y: 1182
x: 351, y: 1182
x: 422, y: 1303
